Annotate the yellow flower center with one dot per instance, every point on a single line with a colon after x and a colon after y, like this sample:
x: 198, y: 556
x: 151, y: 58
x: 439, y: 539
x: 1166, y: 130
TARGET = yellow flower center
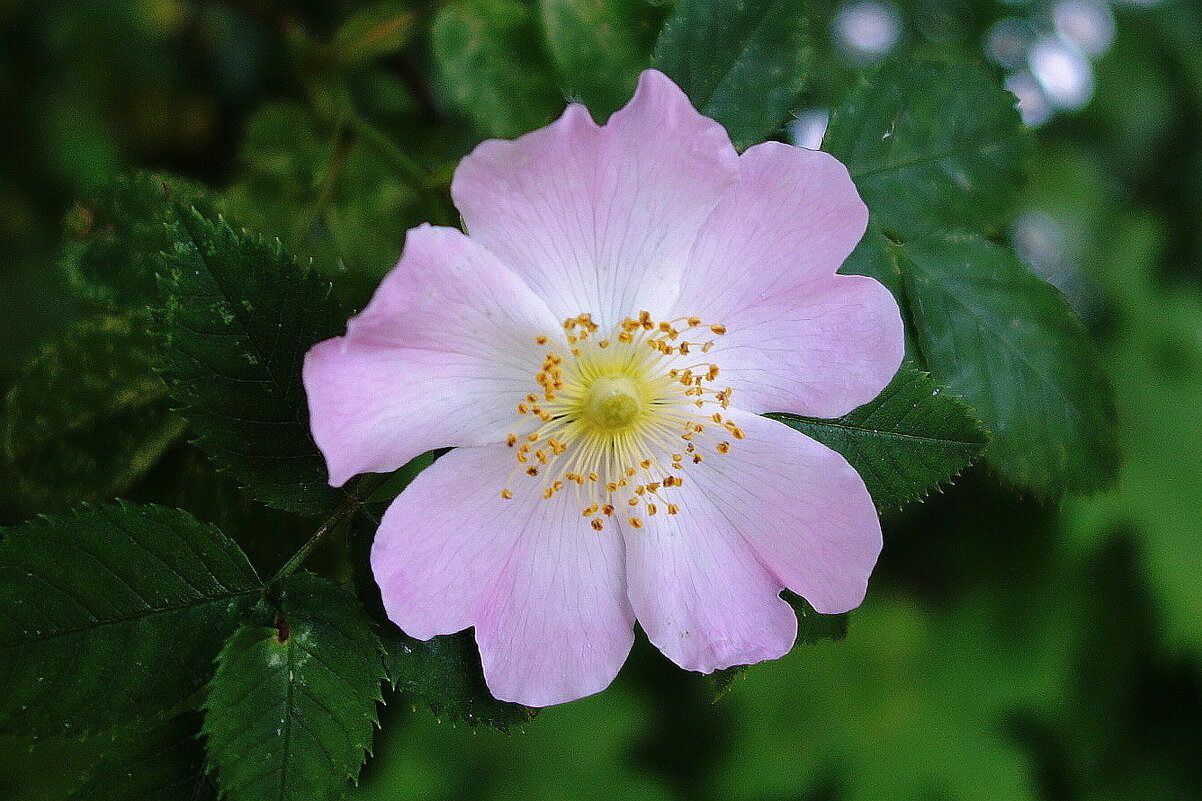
x: 616, y: 420
x: 613, y: 402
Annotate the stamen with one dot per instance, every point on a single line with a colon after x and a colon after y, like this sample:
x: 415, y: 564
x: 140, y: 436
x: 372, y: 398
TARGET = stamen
x: 610, y: 409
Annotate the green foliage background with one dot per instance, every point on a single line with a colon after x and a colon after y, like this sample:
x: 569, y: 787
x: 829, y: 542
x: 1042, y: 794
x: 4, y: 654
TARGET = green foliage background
x: 1011, y: 647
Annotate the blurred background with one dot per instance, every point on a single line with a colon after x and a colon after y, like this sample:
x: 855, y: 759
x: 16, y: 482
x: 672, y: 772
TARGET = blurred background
x: 1008, y: 649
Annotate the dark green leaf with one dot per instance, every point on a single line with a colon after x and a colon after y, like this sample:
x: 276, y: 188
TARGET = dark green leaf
x: 397, y: 480
x: 742, y: 63
x: 325, y: 194
x: 444, y: 673
x: 931, y: 146
x: 239, y: 316
x: 873, y: 258
x: 905, y: 443
x: 1005, y: 342
x: 812, y: 627
x: 600, y: 46
x: 112, y: 613
x: 115, y: 235
x: 162, y: 762
x: 291, y: 708
x: 89, y: 415
x: 493, y: 62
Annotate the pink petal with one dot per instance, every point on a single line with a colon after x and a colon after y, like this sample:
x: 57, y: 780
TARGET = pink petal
x: 820, y: 350
x: 800, y: 338
x: 801, y: 507
x: 440, y: 357
x: 699, y: 592
x: 600, y: 219
x: 544, y: 591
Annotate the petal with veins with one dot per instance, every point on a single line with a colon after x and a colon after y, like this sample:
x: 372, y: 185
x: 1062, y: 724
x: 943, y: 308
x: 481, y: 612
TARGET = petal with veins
x: 440, y: 357
x: 600, y: 219
x: 543, y: 589
x: 801, y: 339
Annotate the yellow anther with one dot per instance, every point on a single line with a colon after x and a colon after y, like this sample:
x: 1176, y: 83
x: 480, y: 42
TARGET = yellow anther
x: 636, y: 523
x: 673, y: 508
x: 506, y: 494
x: 723, y: 447
x: 589, y: 512
x: 651, y: 510
x: 718, y: 329
x: 541, y: 339
x: 597, y: 524
x: 645, y: 464
x: 607, y: 510
x: 511, y: 440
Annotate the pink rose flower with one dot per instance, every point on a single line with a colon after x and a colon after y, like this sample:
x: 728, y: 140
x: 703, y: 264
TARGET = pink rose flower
x: 629, y: 298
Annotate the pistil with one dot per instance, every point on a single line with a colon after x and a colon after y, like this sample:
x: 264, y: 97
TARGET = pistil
x: 618, y: 418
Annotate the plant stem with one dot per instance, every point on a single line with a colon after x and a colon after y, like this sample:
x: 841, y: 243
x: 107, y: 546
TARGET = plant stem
x: 362, y: 489
x: 345, y: 510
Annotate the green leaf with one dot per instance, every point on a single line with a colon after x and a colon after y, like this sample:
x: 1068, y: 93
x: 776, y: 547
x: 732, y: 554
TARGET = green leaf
x: 114, y: 237
x: 397, y: 480
x: 744, y: 64
x: 812, y: 627
x: 88, y: 416
x: 327, y: 195
x: 600, y: 46
x: 240, y: 315
x: 490, y: 55
x: 931, y: 146
x: 112, y: 613
x: 163, y: 762
x: 444, y: 672
x: 1006, y: 343
x: 291, y: 708
x: 912, y: 438
x: 873, y: 258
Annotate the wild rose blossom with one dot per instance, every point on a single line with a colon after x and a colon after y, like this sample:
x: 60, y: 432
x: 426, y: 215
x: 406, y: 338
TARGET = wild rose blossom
x: 598, y: 348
